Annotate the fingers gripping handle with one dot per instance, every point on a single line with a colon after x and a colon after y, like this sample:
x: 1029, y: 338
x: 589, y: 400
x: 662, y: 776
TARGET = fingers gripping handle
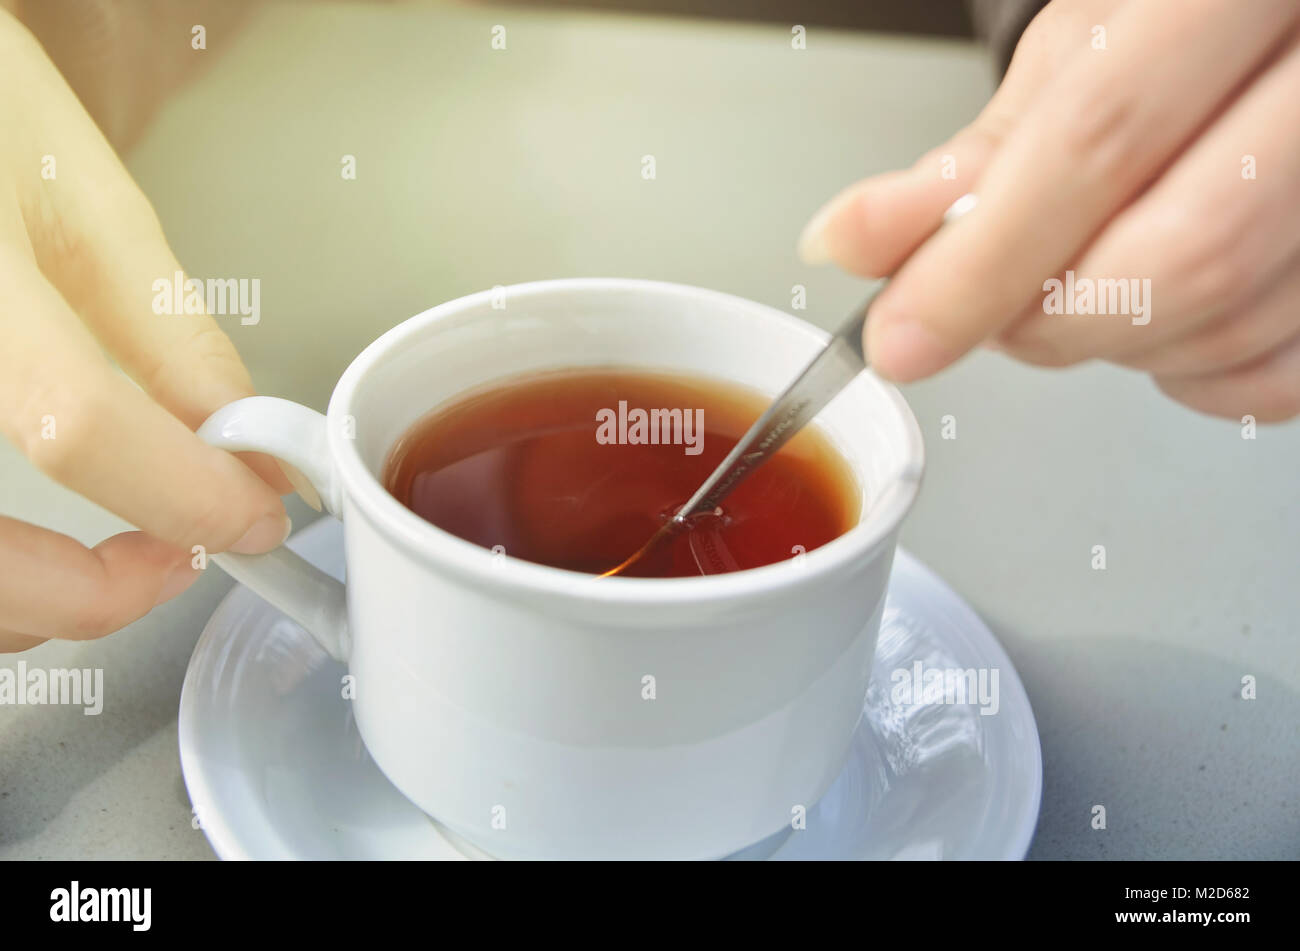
x: 296, y: 435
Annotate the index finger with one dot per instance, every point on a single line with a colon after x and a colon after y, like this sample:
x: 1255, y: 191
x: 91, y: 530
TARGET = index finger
x: 1091, y: 141
x: 90, y: 429
x: 96, y: 238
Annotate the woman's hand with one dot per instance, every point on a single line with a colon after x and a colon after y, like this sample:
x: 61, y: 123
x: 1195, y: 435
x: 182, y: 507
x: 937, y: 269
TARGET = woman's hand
x: 1143, y: 140
x: 79, y: 252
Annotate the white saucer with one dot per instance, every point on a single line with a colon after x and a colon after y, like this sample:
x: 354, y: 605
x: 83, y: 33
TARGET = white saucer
x: 276, y: 769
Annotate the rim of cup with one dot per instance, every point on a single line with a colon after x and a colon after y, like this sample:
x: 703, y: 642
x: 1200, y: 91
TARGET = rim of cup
x: 473, y: 563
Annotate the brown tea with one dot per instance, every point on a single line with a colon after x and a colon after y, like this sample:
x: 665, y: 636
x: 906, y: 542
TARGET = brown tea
x: 578, y: 468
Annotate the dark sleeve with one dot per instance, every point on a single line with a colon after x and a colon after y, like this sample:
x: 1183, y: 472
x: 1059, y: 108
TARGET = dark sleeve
x: 999, y: 24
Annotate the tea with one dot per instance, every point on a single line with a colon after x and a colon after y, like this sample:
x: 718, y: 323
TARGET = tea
x: 578, y: 468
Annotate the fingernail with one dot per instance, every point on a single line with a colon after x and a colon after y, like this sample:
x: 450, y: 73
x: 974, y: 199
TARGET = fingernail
x: 903, y: 351
x: 812, y: 247
x: 181, y: 577
x: 267, y: 532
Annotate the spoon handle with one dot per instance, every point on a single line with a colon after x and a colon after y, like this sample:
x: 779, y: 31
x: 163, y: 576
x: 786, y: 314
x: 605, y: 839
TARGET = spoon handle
x: 829, y: 372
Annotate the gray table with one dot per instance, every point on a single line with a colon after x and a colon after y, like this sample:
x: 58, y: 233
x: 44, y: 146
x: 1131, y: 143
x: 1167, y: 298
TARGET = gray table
x: 479, y: 167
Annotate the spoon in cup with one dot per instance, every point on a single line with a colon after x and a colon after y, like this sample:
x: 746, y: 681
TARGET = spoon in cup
x: 834, y: 367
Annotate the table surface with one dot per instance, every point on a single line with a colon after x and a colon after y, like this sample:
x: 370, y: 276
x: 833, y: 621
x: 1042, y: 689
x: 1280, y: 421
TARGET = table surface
x: 478, y: 167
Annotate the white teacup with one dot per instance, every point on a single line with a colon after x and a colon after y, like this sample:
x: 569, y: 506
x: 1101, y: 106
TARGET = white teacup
x: 543, y: 713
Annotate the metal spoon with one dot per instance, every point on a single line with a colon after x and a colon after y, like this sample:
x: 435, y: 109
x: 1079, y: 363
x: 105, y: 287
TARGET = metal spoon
x: 830, y: 371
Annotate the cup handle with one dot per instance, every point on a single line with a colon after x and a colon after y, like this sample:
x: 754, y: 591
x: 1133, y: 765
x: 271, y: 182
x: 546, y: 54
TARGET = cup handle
x: 297, y: 435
